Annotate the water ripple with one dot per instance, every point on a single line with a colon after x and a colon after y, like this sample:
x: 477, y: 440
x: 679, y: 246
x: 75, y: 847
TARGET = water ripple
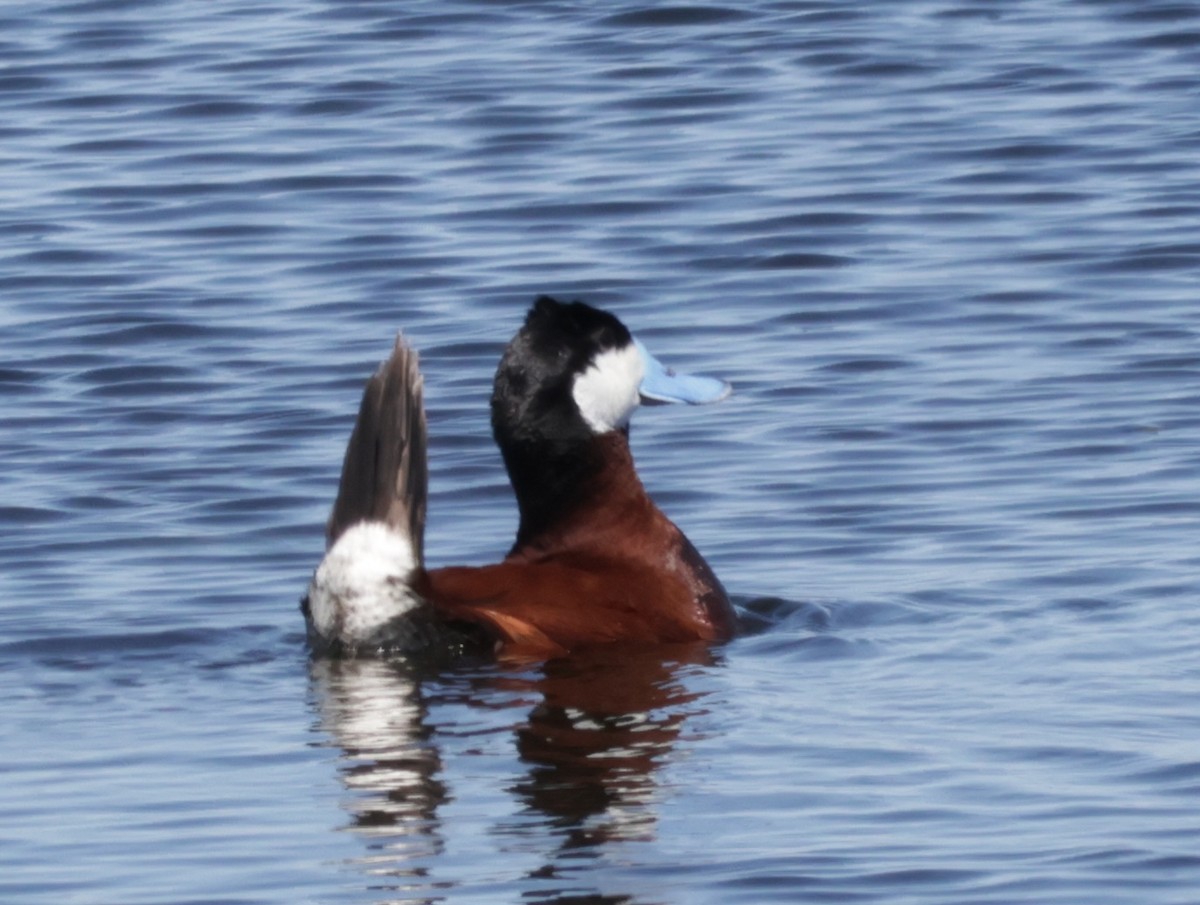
x: 945, y: 252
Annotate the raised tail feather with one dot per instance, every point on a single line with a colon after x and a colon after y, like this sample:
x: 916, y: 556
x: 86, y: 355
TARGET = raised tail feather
x: 361, y: 596
x: 385, y: 475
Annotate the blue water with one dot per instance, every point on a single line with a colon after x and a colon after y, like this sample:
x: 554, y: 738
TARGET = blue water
x: 947, y: 252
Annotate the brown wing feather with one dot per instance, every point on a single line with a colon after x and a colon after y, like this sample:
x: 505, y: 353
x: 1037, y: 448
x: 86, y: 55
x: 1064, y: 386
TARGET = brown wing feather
x: 554, y: 606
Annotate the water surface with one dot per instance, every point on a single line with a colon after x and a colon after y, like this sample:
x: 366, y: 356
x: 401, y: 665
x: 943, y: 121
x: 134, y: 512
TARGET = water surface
x: 948, y: 254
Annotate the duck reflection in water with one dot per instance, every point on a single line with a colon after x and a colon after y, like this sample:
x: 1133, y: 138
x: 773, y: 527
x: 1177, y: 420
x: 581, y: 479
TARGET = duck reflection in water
x: 592, y: 732
x: 603, y: 726
x: 373, y: 711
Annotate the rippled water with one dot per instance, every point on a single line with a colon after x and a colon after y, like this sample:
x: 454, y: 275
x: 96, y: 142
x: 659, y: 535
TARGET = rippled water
x: 949, y: 255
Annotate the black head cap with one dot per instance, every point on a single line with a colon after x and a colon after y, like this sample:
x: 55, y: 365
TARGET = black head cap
x: 532, y: 395
x: 548, y: 447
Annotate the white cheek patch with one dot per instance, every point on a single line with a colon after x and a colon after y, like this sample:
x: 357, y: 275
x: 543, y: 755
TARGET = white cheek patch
x: 607, y: 392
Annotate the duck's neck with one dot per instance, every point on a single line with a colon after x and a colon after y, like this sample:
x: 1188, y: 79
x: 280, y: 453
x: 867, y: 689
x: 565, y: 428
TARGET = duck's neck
x: 557, y: 488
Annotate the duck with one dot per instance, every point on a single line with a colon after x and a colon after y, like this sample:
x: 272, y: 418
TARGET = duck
x: 594, y: 562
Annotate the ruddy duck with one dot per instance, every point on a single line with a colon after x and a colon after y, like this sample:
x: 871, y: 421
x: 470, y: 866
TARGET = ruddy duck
x: 595, y: 561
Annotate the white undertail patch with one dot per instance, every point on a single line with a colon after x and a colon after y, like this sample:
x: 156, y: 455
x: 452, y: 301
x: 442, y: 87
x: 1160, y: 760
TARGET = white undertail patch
x: 362, y: 584
x: 607, y: 392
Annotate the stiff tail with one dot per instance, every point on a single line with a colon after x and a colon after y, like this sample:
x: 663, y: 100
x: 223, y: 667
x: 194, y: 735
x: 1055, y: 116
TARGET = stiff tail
x: 361, y: 595
x: 385, y: 477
